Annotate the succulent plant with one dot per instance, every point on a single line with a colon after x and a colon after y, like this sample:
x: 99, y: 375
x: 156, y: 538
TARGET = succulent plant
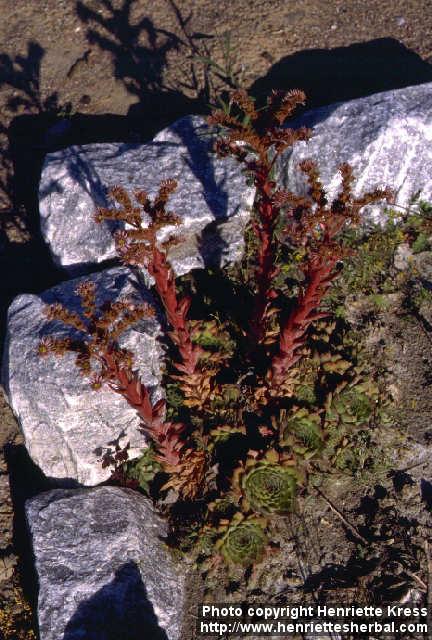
x: 244, y: 540
x: 306, y: 393
x: 349, y: 410
x: 334, y: 363
x: 267, y: 485
x: 223, y: 432
x: 210, y: 335
x: 265, y: 372
x: 352, y: 406
x: 303, y: 427
x: 144, y: 469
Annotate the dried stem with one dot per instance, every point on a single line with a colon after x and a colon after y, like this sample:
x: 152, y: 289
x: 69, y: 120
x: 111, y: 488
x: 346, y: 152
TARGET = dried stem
x: 356, y: 533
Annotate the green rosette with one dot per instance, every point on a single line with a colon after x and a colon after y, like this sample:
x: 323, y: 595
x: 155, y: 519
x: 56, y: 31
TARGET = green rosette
x: 244, y: 543
x: 270, y: 488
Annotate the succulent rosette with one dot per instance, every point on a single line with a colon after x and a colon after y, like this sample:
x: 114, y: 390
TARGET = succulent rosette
x: 270, y: 488
x: 267, y: 485
x: 351, y: 406
x: 303, y: 428
x: 244, y: 541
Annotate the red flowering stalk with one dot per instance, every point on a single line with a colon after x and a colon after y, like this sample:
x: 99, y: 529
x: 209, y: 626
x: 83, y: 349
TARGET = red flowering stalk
x: 99, y: 355
x: 311, y: 226
x: 169, y: 438
x: 98, y: 352
x: 139, y: 246
x: 256, y: 141
x: 175, y: 450
x: 314, y: 227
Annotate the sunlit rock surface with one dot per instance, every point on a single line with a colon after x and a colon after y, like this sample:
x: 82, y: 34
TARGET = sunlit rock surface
x: 212, y: 197
x: 385, y: 137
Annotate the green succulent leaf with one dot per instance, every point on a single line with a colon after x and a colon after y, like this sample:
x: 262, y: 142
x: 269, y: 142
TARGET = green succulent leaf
x: 306, y: 393
x: 350, y: 406
x: 224, y: 432
x: 306, y: 427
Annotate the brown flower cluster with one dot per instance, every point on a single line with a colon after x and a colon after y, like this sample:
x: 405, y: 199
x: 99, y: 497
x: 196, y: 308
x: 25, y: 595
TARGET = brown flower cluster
x: 316, y: 226
x: 257, y: 140
x: 96, y: 346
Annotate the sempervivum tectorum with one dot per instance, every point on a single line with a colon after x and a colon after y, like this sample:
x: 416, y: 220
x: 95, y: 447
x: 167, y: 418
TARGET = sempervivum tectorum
x: 267, y: 485
x: 243, y: 540
x: 351, y: 406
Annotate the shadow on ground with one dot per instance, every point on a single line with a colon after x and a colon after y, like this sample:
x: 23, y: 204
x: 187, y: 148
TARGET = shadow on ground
x: 387, y: 557
x: 346, y: 73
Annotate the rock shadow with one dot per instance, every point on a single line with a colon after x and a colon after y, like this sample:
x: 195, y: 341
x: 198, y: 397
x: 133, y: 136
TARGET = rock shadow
x: 426, y: 493
x: 120, y: 610
x: 334, y: 75
x: 26, y: 480
x: 26, y: 262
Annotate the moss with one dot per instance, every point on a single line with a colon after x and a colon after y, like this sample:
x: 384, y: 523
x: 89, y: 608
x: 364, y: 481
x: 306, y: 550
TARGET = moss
x: 421, y: 296
x: 380, y: 301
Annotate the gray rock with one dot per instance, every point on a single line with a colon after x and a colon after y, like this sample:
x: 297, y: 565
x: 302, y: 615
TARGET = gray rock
x: 403, y: 256
x: 385, y: 137
x: 423, y: 263
x: 212, y: 195
x: 419, y: 263
x: 67, y: 426
x: 103, y: 570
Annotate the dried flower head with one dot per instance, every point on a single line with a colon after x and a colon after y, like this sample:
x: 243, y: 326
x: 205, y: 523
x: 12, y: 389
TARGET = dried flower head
x: 136, y: 245
x: 98, y: 331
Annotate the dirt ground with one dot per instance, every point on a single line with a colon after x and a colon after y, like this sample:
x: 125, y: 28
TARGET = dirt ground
x: 100, y: 70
